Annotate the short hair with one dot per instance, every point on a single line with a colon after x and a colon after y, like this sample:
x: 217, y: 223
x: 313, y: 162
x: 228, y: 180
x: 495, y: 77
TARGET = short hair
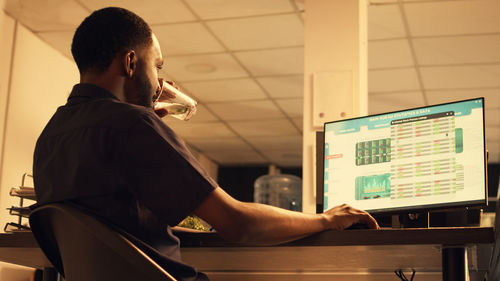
x: 106, y: 33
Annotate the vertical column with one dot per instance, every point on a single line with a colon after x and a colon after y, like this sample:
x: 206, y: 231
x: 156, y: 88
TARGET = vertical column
x: 335, y: 74
x: 454, y: 263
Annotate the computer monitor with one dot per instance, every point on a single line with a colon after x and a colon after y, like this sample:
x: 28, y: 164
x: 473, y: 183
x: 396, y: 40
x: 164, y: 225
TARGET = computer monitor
x: 407, y: 161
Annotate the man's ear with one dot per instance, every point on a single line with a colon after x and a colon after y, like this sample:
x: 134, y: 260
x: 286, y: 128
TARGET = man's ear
x: 130, y: 63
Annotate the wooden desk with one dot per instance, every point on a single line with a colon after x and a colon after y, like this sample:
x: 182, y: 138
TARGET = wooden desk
x: 436, y: 254
x: 22, y: 249
x: 368, y: 254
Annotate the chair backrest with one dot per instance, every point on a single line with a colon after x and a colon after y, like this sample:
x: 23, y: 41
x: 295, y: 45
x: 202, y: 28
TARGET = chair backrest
x: 83, y: 248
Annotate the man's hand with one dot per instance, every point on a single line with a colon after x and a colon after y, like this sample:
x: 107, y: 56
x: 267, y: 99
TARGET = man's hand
x: 343, y: 216
x: 162, y: 95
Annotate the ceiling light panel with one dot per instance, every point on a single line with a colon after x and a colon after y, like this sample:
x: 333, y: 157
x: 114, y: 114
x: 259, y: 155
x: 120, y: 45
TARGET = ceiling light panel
x: 457, y: 50
x: 283, y: 86
x: 225, y: 90
x: 223, y: 64
x: 187, y: 38
x: 259, y: 32
x: 292, y: 107
x: 238, y: 8
x: 385, y: 22
x: 48, y: 15
x: 273, y: 62
x: 382, y: 103
x: 392, y: 53
x: 392, y: 80
x: 247, y: 110
x: 153, y: 11
x: 461, y: 76
x: 271, y: 127
x: 453, y: 17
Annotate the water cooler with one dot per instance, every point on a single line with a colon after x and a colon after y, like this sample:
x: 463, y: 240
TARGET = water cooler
x: 281, y: 190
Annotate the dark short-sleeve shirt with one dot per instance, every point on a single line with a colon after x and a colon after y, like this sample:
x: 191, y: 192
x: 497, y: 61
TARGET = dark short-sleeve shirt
x: 121, y: 162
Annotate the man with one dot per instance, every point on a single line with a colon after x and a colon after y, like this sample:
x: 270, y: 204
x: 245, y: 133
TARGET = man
x: 108, y: 151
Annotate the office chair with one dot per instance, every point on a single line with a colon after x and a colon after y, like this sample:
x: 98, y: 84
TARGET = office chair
x: 82, y: 248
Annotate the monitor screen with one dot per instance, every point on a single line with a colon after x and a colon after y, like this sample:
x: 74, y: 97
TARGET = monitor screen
x: 412, y: 160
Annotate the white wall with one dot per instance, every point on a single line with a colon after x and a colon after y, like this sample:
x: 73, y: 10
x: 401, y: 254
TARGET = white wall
x: 40, y: 81
x: 6, y: 37
x: 34, y: 80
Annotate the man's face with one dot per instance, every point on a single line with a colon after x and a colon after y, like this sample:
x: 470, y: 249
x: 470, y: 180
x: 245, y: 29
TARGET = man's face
x: 144, y: 83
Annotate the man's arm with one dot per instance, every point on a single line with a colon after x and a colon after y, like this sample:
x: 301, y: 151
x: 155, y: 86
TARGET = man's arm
x: 267, y: 225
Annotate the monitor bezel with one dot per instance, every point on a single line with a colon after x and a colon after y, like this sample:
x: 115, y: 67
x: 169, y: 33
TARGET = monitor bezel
x: 429, y: 207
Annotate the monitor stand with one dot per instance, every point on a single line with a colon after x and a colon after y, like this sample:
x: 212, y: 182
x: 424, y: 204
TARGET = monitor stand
x: 411, y: 220
x: 456, y: 218
x: 449, y: 218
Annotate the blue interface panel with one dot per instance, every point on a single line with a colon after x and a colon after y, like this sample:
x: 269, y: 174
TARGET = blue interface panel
x: 422, y: 158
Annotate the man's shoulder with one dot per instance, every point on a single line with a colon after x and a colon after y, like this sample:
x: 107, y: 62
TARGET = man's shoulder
x: 140, y: 120
x: 122, y: 112
x: 107, y: 106
x: 98, y: 114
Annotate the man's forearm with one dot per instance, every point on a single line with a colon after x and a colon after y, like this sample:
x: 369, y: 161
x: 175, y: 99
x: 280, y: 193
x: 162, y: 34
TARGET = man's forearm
x: 256, y: 223
x: 268, y: 225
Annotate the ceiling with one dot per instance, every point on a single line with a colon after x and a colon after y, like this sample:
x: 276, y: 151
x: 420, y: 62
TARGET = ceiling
x: 243, y: 61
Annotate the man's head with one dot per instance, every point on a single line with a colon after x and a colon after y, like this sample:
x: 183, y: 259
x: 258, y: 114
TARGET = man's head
x: 119, y: 41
